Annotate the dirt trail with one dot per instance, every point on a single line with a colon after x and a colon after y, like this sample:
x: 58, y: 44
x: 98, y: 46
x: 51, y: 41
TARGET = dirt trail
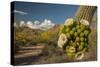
x: 28, y: 54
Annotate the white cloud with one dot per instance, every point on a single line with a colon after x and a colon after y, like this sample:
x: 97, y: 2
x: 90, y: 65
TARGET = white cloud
x: 36, y: 22
x: 22, y: 23
x: 45, y: 25
x: 30, y: 25
x: 20, y: 12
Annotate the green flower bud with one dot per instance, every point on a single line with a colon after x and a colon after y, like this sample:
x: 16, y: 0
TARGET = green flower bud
x: 82, y: 34
x: 81, y: 46
x: 81, y: 39
x: 70, y: 49
x: 74, y: 29
x: 77, y: 27
x: 68, y: 35
x: 79, y: 30
x: 67, y: 29
x: 75, y: 34
x: 70, y: 42
x: 86, y: 39
x: 77, y: 39
x: 82, y: 27
x: 78, y: 43
x: 86, y: 32
x: 71, y: 32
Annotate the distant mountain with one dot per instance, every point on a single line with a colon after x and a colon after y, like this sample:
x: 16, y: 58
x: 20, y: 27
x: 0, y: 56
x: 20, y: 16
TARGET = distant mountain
x: 55, y: 28
x: 45, y: 25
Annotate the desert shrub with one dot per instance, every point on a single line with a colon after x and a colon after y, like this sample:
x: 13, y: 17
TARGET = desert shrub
x: 51, y: 49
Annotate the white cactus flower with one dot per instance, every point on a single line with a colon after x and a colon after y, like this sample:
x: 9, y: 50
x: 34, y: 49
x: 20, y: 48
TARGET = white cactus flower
x: 62, y: 40
x: 69, y: 22
x: 84, y: 22
x: 79, y: 56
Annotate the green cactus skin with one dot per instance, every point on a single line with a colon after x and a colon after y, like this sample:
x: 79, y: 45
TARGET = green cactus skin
x: 85, y: 12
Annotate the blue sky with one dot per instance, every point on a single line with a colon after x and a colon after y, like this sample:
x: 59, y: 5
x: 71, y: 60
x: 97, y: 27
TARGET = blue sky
x: 28, y: 11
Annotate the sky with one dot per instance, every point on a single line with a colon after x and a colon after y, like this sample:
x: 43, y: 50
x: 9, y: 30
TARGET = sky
x: 29, y: 11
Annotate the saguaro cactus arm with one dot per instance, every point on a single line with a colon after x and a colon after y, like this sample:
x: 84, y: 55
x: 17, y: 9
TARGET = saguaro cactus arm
x: 85, y: 12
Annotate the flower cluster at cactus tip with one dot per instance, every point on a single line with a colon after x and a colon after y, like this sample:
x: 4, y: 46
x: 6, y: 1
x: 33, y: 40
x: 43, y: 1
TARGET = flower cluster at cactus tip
x: 74, y: 37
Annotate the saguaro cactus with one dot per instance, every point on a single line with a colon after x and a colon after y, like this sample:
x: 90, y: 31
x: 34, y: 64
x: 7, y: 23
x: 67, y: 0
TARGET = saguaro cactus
x: 76, y: 31
x: 85, y: 12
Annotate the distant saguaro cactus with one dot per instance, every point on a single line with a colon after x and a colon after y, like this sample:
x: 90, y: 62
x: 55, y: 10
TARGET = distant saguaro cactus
x: 85, y: 12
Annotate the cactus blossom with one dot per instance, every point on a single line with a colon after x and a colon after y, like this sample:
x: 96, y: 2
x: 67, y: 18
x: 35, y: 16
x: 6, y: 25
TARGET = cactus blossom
x: 62, y: 40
